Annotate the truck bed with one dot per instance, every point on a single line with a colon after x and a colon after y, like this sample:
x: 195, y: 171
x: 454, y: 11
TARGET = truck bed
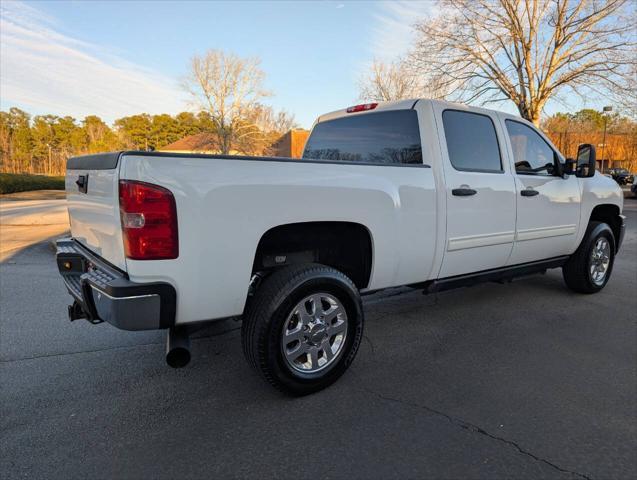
x: 225, y: 204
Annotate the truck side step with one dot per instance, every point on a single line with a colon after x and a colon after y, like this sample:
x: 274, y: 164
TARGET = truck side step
x: 499, y: 275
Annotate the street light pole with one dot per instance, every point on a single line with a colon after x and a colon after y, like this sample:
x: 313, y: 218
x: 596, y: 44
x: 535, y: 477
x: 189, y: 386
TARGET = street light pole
x: 606, y: 109
x: 49, y: 145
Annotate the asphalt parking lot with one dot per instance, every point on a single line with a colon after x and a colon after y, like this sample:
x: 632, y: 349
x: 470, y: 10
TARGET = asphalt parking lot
x: 522, y: 380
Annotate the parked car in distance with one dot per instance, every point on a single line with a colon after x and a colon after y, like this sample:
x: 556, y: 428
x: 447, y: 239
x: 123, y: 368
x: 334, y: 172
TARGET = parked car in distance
x: 423, y: 193
x: 621, y: 175
x: 633, y: 189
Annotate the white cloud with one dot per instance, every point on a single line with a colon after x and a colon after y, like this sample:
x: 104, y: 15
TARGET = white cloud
x: 46, y: 71
x: 393, y: 34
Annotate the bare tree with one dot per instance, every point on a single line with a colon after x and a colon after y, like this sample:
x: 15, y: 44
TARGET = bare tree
x: 261, y: 128
x: 269, y: 120
x: 230, y: 89
x: 388, y: 81
x: 396, y: 80
x: 624, y: 93
x: 526, y: 51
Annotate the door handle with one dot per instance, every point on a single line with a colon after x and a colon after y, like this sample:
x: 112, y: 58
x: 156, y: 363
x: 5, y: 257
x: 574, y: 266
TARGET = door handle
x: 529, y: 192
x: 463, y: 192
x: 82, y: 183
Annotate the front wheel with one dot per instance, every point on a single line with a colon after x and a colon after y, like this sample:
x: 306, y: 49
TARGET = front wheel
x: 302, y: 327
x: 589, y: 268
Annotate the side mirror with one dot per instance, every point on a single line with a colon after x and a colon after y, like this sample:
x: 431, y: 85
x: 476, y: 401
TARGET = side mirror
x: 586, y: 160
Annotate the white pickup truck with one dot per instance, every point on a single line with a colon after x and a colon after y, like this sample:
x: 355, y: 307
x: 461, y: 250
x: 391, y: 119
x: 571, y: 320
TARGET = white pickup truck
x: 422, y: 193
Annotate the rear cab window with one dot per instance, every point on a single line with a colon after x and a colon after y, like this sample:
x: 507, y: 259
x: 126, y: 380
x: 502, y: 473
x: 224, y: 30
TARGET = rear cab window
x: 380, y: 138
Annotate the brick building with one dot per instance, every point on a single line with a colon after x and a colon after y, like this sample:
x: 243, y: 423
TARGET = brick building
x: 291, y: 144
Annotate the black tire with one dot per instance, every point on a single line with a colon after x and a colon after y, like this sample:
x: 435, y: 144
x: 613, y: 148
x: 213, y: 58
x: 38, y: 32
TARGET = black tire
x: 268, y: 310
x: 577, y: 271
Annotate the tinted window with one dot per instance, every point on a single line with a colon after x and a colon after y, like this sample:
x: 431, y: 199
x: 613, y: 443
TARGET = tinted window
x: 532, y: 155
x: 471, y: 141
x: 383, y: 137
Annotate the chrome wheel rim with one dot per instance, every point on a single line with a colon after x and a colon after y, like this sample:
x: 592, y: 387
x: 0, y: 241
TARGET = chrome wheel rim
x: 600, y: 261
x: 314, y: 333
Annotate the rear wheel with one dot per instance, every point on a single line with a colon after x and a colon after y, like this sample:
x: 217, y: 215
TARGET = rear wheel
x: 302, y: 327
x: 589, y: 268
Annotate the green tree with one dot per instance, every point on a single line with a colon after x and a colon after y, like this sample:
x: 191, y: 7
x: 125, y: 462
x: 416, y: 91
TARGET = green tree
x: 69, y: 136
x: 21, y: 141
x: 187, y: 124
x: 205, y: 122
x: 5, y: 141
x: 100, y: 137
x: 590, y: 119
x: 134, y: 131
x: 164, y: 130
x: 44, y: 140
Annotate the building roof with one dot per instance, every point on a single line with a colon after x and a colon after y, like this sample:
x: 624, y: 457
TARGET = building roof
x: 288, y: 145
x: 200, y: 142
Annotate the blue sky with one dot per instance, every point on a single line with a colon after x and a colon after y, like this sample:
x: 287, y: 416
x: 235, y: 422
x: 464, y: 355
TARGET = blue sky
x: 117, y: 58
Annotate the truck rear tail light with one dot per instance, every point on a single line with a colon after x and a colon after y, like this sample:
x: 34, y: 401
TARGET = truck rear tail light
x: 362, y: 107
x: 149, y: 221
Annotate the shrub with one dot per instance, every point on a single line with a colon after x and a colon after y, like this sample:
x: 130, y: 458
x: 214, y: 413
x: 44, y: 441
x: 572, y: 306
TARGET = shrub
x: 18, y: 182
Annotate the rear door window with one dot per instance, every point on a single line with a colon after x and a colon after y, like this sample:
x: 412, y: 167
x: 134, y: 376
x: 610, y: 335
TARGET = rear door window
x: 390, y: 138
x: 471, y: 142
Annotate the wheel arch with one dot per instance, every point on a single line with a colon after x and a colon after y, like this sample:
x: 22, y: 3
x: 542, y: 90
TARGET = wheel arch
x: 345, y: 246
x: 610, y: 214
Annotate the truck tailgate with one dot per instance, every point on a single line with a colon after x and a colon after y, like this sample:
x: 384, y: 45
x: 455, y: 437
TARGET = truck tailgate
x: 93, y: 202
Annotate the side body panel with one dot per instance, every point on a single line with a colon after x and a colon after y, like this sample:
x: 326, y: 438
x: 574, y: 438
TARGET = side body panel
x: 597, y: 190
x: 224, y: 206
